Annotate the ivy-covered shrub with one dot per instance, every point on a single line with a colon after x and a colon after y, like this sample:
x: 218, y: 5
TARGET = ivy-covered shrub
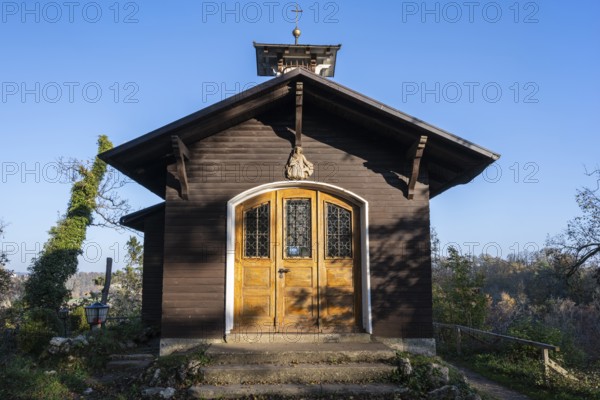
x: 58, y: 260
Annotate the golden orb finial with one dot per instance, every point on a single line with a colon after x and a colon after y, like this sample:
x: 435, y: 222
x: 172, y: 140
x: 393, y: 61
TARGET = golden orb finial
x: 296, y: 32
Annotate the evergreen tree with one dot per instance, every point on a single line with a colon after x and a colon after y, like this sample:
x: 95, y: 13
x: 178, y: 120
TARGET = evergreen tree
x: 459, y: 298
x: 126, y: 290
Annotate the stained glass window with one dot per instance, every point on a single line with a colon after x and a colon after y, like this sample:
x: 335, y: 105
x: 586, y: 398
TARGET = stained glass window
x: 298, y: 228
x: 256, y: 232
x: 339, y: 232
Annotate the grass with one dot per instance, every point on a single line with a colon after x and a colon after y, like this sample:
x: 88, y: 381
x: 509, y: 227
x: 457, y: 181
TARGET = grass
x: 24, y: 377
x: 30, y: 376
x: 525, y: 375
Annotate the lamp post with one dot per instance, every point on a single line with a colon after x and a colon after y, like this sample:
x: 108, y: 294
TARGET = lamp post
x: 63, y: 314
x: 96, y: 315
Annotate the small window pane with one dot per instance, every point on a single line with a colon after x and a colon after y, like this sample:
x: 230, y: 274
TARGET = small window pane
x: 339, y: 232
x: 298, y: 228
x: 256, y: 232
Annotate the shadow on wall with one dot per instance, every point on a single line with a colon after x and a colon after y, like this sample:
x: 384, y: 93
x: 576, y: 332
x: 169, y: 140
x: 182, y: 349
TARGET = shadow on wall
x: 401, y: 277
x: 355, y: 146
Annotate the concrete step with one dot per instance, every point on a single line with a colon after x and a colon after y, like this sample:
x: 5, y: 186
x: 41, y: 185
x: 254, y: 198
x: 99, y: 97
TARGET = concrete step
x: 132, y: 357
x: 370, y: 391
x: 129, y: 361
x: 252, y: 337
x: 299, y: 353
x: 128, y: 364
x: 295, y: 373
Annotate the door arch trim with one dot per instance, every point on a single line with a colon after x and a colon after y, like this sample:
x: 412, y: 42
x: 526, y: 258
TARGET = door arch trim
x: 362, y: 204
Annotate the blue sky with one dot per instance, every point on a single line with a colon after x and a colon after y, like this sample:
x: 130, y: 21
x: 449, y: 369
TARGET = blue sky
x: 519, y: 78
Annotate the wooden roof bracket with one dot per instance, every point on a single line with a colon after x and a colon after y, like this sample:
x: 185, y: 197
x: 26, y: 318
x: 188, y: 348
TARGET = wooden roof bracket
x: 415, y: 153
x: 299, y: 101
x: 181, y: 153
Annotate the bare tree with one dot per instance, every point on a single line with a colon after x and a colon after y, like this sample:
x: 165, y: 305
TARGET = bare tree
x: 110, y: 206
x: 579, y: 245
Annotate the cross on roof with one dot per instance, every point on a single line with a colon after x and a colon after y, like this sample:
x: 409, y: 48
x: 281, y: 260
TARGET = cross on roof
x: 297, y: 11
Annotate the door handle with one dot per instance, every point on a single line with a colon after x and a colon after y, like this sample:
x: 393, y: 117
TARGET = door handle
x: 283, y: 271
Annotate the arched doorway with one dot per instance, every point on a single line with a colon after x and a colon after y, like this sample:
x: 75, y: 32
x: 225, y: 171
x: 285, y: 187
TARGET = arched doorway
x: 297, y: 262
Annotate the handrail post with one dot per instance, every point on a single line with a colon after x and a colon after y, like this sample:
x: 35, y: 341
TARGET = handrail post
x: 546, y: 365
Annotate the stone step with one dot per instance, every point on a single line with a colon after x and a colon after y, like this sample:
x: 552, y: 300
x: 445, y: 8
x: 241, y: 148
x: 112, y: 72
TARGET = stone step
x: 148, y: 350
x: 296, y: 373
x: 131, y: 357
x: 252, y: 337
x: 129, y: 361
x: 299, y: 353
x: 128, y: 364
x: 370, y: 391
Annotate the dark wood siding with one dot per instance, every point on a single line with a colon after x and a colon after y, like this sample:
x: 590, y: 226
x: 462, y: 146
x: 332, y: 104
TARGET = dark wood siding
x: 254, y: 153
x: 152, y: 288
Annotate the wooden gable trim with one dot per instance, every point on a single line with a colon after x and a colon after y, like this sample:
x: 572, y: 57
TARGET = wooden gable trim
x: 444, y: 148
x: 415, y: 153
x: 269, y: 90
x: 181, y: 153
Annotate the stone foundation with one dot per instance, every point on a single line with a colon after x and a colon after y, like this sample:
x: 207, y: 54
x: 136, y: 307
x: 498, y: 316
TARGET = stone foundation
x: 424, y: 346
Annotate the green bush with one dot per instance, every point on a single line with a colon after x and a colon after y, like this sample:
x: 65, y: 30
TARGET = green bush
x: 109, y: 339
x: 537, y: 331
x: 129, y: 329
x: 530, y: 329
x: 38, y: 327
x: 78, y: 321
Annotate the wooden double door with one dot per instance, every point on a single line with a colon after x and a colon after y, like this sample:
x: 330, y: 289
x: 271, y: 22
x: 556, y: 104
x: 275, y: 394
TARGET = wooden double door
x: 297, y: 263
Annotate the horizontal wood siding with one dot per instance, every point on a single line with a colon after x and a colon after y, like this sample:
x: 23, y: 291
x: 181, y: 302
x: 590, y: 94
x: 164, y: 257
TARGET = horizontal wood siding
x: 152, y: 286
x: 254, y: 153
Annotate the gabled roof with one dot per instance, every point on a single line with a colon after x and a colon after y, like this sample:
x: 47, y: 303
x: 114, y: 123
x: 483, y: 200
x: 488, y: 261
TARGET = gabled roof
x: 451, y: 160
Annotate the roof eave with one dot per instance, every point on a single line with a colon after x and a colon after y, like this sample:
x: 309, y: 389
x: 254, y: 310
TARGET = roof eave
x: 462, y: 179
x: 136, y: 219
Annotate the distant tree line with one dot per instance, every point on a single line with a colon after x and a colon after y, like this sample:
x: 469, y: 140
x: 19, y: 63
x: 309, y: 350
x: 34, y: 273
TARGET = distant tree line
x: 552, y: 295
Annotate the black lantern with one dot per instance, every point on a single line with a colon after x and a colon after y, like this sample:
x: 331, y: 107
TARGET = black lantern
x: 96, y: 314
